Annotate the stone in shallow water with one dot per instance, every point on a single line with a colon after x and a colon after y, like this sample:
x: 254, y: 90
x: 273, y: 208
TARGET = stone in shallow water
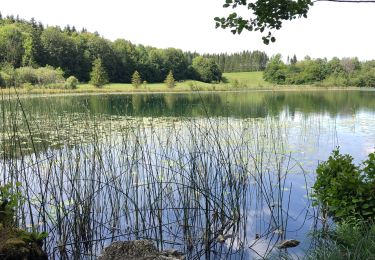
x: 137, y: 250
x: 287, y: 244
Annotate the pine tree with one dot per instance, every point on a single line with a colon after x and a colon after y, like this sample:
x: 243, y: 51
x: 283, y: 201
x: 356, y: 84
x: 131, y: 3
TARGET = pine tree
x: 169, y: 80
x: 98, y: 75
x: 136, y: 79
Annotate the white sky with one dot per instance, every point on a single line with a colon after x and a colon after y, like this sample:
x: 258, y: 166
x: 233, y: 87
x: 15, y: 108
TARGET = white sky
x: 331, y: 29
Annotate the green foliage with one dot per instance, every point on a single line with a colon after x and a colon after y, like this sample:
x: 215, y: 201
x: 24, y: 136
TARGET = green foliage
x: 169, y: 80
x: 71, y: 82
x: 136, y: 79
x: 34, y: 237
x: 266, y: 15
x: 351, y: 239
x: 28, y: 44
x: 336, y: 72
x: 41, y: 76
x: 11, y: 44
x: 206, y: 69
x: 345, y: 190
x: 10, y: 199
x: 98, y: 75
x: 275, y: 71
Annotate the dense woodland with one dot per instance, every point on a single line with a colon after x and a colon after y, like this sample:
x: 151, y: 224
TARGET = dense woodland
x: 32, y: 45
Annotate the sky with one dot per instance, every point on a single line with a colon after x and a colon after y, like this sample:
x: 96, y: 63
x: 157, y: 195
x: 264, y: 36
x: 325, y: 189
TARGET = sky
x: 331, y: 29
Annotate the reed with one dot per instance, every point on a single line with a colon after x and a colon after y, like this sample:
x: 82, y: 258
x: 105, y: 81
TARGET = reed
x: 91, y: 179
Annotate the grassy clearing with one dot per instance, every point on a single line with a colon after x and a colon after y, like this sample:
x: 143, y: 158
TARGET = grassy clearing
x: 247, y: 79
x: 238, y: 81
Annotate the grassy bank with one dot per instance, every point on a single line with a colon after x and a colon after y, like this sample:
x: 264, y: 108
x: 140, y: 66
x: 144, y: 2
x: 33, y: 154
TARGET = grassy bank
x: 239, y: 81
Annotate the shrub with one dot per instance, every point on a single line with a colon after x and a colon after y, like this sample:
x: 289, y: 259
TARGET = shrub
x: 71, y: 82
x: 9, y: 201
x: 42, y: 76
x: 25, y: 75
x: 49, y: 75
x: 27, y: 86
x: 345, y: 190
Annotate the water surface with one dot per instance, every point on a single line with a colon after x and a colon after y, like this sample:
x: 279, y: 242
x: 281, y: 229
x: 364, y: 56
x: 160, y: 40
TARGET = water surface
x: 181, y: 169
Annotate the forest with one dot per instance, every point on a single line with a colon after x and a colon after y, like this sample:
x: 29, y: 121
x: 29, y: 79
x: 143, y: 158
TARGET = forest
x: 28, y: 46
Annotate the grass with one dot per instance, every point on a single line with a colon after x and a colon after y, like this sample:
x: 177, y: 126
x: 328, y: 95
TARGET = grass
x: 236, y: 81
x: 248, y: 79
x: 352, y: 239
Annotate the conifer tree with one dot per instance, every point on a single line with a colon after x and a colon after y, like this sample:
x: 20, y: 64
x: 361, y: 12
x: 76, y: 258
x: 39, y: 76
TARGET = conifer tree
x: 136, y: 79
x: 170, y: 81
x: 98, y: 75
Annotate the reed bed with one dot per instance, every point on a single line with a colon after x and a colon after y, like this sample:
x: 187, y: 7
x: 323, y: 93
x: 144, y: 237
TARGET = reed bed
x: 186, y: 183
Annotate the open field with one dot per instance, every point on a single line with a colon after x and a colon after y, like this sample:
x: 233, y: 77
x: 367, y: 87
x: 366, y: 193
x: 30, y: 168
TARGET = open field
x: 236, y: 81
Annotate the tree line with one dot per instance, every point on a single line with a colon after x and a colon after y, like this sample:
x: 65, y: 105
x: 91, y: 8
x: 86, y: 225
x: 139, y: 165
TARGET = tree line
x: 334, y: 72
x: 26, y: 43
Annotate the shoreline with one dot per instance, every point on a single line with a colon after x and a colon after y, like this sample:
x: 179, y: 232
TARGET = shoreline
x: 21, y: 93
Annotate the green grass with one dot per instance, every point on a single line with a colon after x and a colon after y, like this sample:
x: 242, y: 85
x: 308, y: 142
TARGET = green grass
x: 247, y: 79
x: 232, y: 82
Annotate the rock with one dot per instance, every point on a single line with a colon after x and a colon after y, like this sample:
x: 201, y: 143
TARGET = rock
x: 287, y: 243
x: 17, y: 244
x: 220, y: 239
x: 137, y: 250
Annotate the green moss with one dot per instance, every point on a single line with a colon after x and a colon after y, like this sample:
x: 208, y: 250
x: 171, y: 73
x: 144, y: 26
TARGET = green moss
x: 19, y: 244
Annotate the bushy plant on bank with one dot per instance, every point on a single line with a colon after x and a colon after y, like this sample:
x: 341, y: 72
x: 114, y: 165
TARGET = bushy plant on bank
x: 345, y: 192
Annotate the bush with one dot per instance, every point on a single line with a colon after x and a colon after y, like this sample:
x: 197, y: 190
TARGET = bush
x: 9, y: 201
x: 48, y: 75
x: 71, y: 82
x: 25, y: 75
x: 345, y: 190
x: 42, y: 76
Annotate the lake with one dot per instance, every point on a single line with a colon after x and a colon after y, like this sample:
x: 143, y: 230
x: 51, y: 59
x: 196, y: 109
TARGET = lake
x: 214, y: 175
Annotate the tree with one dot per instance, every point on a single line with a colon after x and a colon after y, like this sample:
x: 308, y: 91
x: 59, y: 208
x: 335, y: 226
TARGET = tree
x: 275, y: 70
x: 268, y: 14
x: 136, y: 79
x: 11, y: 45
x: 293, y: 60
x: 98, y: 75
x: 169, y: 81
x: 206, y: 69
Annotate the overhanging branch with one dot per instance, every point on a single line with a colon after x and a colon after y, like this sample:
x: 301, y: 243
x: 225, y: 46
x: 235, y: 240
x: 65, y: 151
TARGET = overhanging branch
x: 347, y: 1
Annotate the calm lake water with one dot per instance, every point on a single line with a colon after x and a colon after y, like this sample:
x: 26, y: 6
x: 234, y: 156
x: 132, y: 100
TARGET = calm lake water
x: 184, y: 170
